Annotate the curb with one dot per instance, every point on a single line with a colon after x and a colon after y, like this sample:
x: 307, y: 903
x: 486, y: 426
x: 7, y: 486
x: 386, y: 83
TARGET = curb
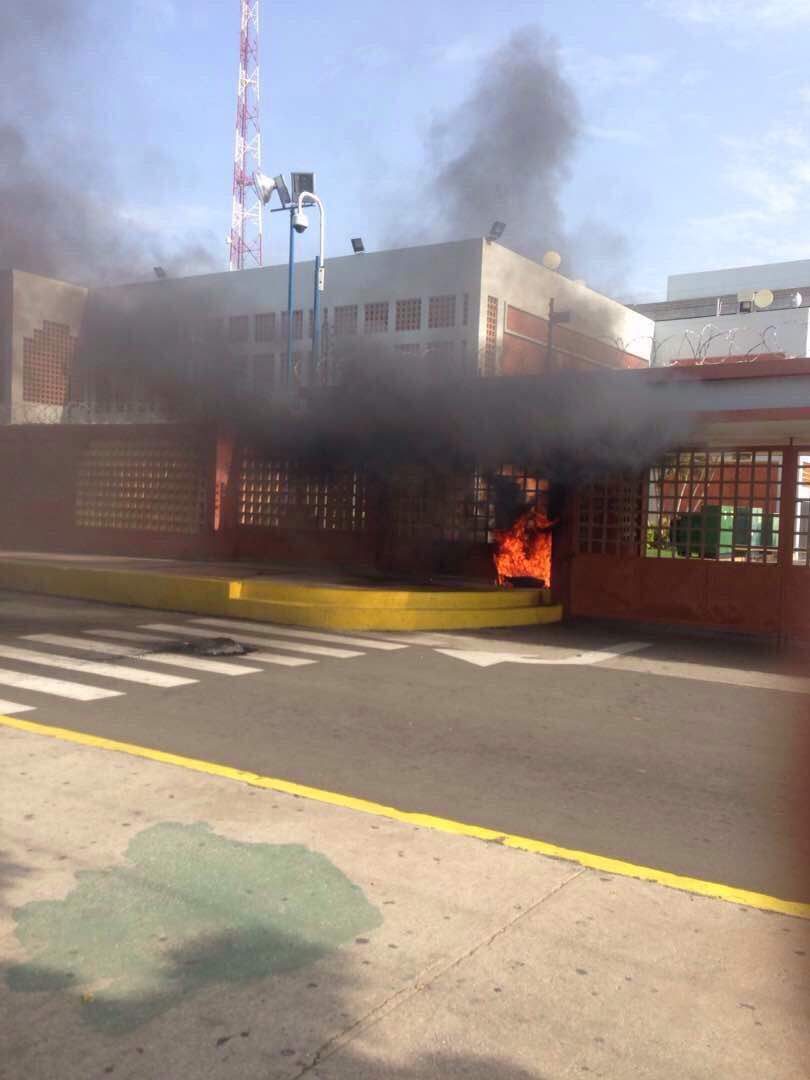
x: 313, y: 606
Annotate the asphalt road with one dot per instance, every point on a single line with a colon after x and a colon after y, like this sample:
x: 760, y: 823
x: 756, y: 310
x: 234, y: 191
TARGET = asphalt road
x: 688, y: 774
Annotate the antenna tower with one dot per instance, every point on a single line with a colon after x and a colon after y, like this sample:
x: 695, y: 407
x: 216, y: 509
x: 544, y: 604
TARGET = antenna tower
x: 245, y: 239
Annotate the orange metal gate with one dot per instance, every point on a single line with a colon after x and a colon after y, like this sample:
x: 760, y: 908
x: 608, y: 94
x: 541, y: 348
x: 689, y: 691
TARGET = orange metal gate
x: 711, y: 537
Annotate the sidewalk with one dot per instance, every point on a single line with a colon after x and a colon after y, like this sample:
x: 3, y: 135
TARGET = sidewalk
x: 160, y: 924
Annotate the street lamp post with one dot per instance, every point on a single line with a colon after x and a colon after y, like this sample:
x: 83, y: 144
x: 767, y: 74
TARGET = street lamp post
x: 300, y: 223
x: 290, y: 304
x: 265, y: 186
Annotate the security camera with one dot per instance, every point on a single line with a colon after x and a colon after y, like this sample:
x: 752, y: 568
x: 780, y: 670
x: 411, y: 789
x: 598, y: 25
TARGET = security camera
x: 300, y: 221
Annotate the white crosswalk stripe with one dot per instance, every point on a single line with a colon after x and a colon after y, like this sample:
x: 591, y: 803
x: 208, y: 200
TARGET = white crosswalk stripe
x: 153, y: 639
x: 248, y: 639
x: 56, y: 687
x: 193, y: 663
x: 310, y: 635
x: 92, y: 667
x: 130, y: 635
x: 154, y: 643
x: 9, y: 708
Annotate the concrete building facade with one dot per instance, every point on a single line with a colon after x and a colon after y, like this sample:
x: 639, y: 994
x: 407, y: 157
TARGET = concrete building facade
x: 463, y: 308
x: 40, y: 323
x: 711, y: 315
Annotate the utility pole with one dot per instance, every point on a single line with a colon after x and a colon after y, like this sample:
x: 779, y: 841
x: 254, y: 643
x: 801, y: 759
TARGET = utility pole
x: 554, y: 317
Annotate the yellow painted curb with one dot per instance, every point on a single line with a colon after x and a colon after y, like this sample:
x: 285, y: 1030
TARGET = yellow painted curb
x: 696, y: 886
x: 379, y: 597
x: 322, y: 607
x: 140, y: 588
x: 334, y: 617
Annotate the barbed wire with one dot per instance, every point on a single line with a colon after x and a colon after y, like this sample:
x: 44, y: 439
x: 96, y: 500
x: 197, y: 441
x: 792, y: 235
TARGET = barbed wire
x: 697, y: 344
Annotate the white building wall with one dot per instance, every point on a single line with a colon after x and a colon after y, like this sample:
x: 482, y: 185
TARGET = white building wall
x: 784, y: 330
x: 150, y: 315
x: 470, y: 268
x: 708, y: 283
x: 353, y: 280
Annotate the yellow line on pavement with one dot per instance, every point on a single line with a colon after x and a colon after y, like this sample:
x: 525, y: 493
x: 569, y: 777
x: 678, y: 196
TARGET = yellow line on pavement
x: 427, y: 821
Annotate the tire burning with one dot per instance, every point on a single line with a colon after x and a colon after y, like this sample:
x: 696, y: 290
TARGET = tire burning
x: 523, y: 553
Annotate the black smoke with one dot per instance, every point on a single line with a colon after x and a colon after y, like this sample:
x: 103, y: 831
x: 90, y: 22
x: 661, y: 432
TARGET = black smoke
x: 505, y: 153
x: 570, y: 426
x: 60, y: 197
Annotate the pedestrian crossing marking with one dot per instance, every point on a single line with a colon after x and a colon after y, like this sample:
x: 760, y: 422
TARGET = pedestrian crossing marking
x: 194, y: 663
x: 9, y: 708
x: 339, y: 639
x: 57, y: 687
x: 253, y: 639
x: 272, y: 643
x: 258, y: 657
x: 128, y: 635
x: 92, y: 667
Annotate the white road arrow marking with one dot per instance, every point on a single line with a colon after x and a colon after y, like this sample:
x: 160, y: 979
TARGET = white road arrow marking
x: 594, y: 656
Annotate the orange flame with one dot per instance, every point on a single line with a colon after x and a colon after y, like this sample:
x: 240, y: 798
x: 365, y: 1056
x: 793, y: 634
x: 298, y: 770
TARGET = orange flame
x: 525, y: 549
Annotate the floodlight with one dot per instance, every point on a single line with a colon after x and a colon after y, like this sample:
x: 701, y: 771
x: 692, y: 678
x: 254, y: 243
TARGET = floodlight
x: 282, y: 189
x: 264, y: 187
x: 357, y: 245
x: 496, y: 230
x: 160, y: 273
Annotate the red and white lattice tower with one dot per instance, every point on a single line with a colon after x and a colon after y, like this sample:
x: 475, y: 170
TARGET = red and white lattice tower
x: 246, y: 215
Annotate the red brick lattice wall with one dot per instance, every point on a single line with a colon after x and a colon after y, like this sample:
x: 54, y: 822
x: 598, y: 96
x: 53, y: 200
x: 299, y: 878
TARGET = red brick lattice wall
x: 47, y: 360
x: 441, y: 312
x: 346, y: 319
x: 288, y: 495
x: 491, y: 340
x: 409, y: 314
x: 152, y: 484
x: 376, y: 318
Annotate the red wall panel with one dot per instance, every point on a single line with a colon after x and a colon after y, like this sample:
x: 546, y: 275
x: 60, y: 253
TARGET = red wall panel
x: 701, y: 593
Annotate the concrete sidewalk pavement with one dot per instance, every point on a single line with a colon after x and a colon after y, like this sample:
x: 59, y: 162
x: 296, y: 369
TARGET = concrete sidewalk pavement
x: 160, y: 923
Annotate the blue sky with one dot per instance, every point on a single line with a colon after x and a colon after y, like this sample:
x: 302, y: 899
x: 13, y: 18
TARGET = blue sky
x: 695, y: 142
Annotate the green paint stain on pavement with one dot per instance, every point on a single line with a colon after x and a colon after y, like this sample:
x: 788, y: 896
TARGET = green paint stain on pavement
x: 188, y: 909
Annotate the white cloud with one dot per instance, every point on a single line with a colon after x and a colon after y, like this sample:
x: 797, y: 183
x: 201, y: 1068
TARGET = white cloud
x: 735, y: 13
x: 616, y: 135
x: 765, y: 186
x: 693, y: 77
x: 374, y: 56
x: 803, y: 94
x: 160, y: 12
x: 598, y: 72
x: 371, y: 57
x: 464, y: 50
